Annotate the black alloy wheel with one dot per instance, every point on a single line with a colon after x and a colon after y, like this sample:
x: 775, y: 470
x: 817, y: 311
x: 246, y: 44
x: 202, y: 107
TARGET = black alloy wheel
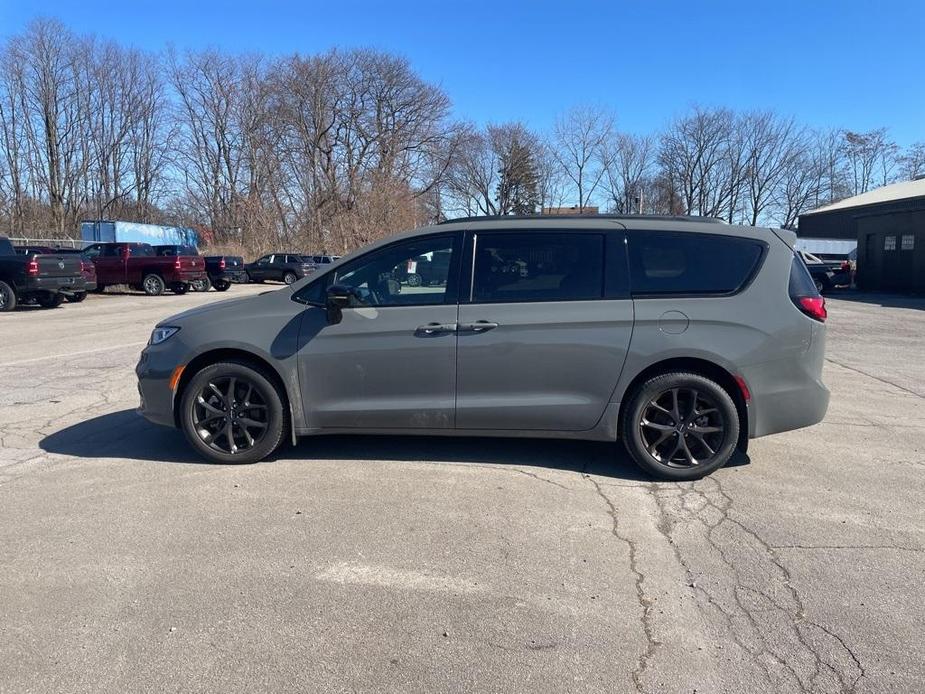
x: 233, y: 413
x: 680, y: 426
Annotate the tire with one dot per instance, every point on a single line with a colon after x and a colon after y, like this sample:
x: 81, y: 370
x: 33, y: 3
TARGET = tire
x: 414, y: 280
x: 222, y: 285
x: 201, y: 421
x: 77, y: 297
x: 820, y: 287
x: 153, y: 285
x: 49, y: 300
x: 673, y: 447
x: 7, y: 297
x: 180, y: 288
x: 201, y: 285
x: 100, y: 288
x: 290, y: 278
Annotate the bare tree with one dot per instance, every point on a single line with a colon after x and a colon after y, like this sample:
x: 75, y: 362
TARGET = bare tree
x: 629, y: 161
x: 912, y: 162
x: 871, y: 158
x: 578, y: 143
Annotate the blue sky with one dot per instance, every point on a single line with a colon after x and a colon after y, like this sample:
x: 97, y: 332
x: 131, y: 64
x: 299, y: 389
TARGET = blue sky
x: 852, y: 64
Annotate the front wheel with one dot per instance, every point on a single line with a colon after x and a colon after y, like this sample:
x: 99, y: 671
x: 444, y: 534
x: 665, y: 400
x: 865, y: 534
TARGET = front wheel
x: 202, y: 285
x: 77, y: 297
x: 290, y: 278
x: 680, y: 426
x: 232, y: 413
x: 221, y: 285
x: 180, y: 288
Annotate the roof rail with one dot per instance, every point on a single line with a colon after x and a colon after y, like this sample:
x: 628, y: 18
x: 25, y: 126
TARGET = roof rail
x: 615, y: 217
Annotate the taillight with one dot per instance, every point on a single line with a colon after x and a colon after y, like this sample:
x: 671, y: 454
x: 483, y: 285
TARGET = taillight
x: 33, y: 268
x: 176, y: 263
x: 813, y: 306
x: 221, y: 264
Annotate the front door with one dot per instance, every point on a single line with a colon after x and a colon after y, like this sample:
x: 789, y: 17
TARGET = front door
x: 544, y: 330
x: 390, y: 363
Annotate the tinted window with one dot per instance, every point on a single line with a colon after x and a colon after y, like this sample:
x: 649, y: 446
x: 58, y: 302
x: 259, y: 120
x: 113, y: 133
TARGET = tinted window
x: 141, y: 251
x: 112, y: 251
x: 801, y: 282
x: 409, y: 273
x: 537, y: 266
x: 687, y: 263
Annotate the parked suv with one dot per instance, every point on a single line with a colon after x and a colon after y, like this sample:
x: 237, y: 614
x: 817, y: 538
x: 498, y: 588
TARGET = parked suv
x: 683, y: 337
x: 282, y: 267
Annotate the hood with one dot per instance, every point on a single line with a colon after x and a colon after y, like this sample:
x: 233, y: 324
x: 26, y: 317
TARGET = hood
x: 226, y: 306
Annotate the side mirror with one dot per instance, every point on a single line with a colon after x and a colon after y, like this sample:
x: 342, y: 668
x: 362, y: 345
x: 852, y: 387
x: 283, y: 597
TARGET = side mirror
x: 337, y: 298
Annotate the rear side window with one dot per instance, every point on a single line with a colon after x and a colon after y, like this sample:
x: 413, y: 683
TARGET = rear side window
x: 537, y: 266
x: 801, y: 282
x: 688, y: 263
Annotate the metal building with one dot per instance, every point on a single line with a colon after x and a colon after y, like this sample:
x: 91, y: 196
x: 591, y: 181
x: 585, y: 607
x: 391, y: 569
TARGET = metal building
x: 889, y: 226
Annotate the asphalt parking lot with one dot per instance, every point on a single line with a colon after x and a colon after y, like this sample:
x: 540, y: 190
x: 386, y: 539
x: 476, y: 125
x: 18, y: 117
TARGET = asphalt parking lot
x: 375, y: 564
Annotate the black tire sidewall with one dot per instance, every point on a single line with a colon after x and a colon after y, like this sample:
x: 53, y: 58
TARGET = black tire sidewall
x: 53, y: 301
x: 658, y: 384
x: 10, y: 297
x: 277, y: 415
x: 221, y: 285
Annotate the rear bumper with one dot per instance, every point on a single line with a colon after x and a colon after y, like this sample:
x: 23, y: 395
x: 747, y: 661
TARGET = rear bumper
x: 52, y: 284
x: 788, y: 393
x: 234, y: 276
x: 187, y: 276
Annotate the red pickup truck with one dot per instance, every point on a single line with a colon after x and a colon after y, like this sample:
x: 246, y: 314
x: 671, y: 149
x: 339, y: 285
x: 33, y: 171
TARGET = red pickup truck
x: 137, y: 265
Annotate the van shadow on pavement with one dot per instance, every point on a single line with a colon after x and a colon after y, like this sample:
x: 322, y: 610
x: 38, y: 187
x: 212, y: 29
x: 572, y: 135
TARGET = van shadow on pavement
x: 126, y: 435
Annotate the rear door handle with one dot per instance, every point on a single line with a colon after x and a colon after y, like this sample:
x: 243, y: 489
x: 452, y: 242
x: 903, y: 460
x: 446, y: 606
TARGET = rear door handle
x: 436, y: 328
x: 479, y: 326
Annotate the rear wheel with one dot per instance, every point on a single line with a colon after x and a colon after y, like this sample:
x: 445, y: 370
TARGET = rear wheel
x: 180, y: 288
x: 77, y: 297
x: 153, y: 285
x: 414, y: 280
x: 221, y: 285
x: 232, y: 412
x: 7, y: 297
x: 680, y: 426
x: 50, y: 300
x: 100, y: 288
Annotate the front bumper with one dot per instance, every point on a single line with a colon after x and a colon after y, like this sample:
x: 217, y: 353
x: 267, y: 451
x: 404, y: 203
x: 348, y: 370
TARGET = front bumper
x: 153, y: 370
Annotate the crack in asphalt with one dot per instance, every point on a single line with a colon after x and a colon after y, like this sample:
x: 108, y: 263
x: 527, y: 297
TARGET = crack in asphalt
x: 694, y: 501
x: 885, y: 381
x: 645, y: 603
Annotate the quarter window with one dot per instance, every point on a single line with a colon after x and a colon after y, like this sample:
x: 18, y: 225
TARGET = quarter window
x: 687, y: 263
x: 538, y: 266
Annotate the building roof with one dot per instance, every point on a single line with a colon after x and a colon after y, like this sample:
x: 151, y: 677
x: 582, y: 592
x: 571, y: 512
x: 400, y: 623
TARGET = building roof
x: 895, y: 191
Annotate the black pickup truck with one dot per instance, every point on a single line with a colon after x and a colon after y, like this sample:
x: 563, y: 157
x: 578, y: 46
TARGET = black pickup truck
x: 222, y: 270
x: 45, y: 278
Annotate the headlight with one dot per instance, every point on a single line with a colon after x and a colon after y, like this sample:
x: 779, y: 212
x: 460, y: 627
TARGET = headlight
x: 162, y: 333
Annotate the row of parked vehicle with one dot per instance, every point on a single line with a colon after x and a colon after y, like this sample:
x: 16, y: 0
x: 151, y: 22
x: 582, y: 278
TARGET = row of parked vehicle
x: 50, y: 276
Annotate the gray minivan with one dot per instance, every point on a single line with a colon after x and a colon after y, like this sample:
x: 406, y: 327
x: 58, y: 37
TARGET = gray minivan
x: 685, y: 337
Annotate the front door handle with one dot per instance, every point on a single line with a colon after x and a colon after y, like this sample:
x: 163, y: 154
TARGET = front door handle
x: 479, y: 326
x: 436, y: 328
